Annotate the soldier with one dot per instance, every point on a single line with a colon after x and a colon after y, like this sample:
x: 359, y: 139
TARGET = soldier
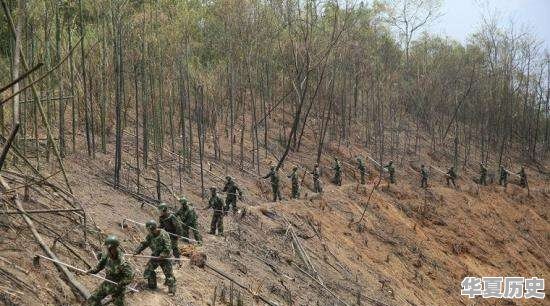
x: 362, y: 170
x: 423, y: 177
x: 451, y: 176
x: 522, y: 177
x: 316, y: 173
x: 337, y: 172
x: 295, y: 182
x: 232, y: 191
x: 158, y: 241
x: 482, y: 174
x: 171, y: 224
x: 217, y: 217
x: 117, y: 270
x: 503, y: 181
x: 188, y: 217
x: 274, y: 176
x: 391, y: 171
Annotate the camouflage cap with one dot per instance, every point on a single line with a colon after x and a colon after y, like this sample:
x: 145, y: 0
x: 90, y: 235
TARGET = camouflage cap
x: 151, y: 224
x: 163, y: 207
x: 111, y: 240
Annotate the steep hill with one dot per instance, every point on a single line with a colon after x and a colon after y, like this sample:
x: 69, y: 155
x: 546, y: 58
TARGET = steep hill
x: 404, y: 246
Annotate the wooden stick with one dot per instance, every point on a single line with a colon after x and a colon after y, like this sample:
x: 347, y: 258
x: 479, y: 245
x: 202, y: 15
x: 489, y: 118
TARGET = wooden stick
x: 35, y: 182
x: 513, y: 173
x: 377, y: 163
x: 73, y: 283
x: 439, y: 170
x: 7, y: 145
x: 37, y: 97
x: 156, y: 257
x: 322, y: 285
x: 39, y: 211
x: 21, y: 77
x: 83, y: 271
x: 265, y: 300
x: 42, y: 76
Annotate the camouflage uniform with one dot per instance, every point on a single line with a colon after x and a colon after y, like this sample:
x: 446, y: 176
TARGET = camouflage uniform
x: 482, y: 175
x: 451, y: 176
x: 295, y: 183
x: 503, y: 181
x: 362, y: 170
x: 274, y: 176
x: 337, y: 173
x: 391, y: 171
x: 160, y: 247
x: 216, y: 204
x: 232, y: 191
x: 188, y: 217
x: 317, y: 186
x: 171, y: 224
x: 117, y: 270
x: 423, y: 177
x: 522, y: 177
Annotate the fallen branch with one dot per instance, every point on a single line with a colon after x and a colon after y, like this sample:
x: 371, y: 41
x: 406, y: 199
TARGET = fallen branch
x: 322, y: 285
x: 73, y: 283
x: 221, y: 273
x: 7, y: 145
x: 31, y: 84
x: 21, y: 77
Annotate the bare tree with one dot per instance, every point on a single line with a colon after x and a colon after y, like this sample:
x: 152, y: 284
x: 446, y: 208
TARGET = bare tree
x: 410, y: 16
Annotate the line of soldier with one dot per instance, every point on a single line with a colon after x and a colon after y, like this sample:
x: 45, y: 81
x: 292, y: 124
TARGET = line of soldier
x: 162, y: 237
x: 450, y: 177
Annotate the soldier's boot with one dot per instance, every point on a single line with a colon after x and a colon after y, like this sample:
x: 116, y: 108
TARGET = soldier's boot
x: 172, y: 289
x: 197, y: 235
x: 274, y: 190
x: 177, y: 255
x: 152, y: 282
x: 213, y: 225
x: 220, y: 228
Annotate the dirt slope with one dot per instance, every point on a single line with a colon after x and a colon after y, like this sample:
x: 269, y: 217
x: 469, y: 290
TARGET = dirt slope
x: 412, y: 247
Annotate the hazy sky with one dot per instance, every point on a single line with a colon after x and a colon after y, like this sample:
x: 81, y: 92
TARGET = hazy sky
x: 463, y: 17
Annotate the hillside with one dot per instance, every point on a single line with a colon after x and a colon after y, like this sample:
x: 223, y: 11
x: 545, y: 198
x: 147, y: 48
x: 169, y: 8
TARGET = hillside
x: 110, y: 107
x: 412, y: 247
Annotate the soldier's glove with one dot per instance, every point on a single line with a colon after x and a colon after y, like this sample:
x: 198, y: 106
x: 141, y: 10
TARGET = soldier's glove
x: 88, y: 272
